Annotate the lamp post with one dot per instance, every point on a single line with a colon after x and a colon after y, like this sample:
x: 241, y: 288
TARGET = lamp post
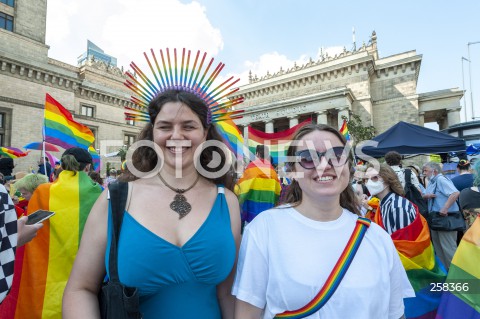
x: 463, y: 83
x: 470, y: 73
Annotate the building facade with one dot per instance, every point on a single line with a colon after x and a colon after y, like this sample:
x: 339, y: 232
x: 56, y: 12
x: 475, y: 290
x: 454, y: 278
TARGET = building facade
x: 93, y: 92
x: 382, y: 91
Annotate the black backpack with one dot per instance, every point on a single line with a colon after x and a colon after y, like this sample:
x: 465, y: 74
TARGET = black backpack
x: 414, y: 195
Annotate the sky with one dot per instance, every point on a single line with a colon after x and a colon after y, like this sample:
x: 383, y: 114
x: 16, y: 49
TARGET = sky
x: 264, y: 35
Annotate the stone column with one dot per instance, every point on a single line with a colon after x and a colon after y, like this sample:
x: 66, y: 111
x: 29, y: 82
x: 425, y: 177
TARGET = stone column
x: 421, y: 118
x: 322, y: 117
x: 269, y: 126
x: 293, y: 121
x: 343, y: 111
x: 453, y: 116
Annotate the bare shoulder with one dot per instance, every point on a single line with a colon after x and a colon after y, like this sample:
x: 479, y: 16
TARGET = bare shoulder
x: 231, y: 197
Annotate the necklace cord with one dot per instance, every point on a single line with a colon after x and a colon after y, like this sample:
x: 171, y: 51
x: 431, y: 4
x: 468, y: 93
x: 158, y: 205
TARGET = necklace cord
x: 179, y: 190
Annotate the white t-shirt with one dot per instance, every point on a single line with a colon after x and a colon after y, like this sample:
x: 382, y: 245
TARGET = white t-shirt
x: 286, y: 257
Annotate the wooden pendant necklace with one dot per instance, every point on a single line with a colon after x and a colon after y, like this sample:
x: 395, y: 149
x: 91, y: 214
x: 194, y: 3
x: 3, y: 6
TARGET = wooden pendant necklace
x: 179, y: 203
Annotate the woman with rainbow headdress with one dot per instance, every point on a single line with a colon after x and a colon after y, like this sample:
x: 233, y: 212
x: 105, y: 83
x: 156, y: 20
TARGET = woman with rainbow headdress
x: 181, y: 226
x: 315, y: 257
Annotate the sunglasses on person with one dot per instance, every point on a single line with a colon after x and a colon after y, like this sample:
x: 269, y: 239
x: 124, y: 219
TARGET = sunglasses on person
x: 309, y: 159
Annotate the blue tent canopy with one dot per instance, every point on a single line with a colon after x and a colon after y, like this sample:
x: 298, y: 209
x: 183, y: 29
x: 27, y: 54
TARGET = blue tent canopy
x: 409, y: 139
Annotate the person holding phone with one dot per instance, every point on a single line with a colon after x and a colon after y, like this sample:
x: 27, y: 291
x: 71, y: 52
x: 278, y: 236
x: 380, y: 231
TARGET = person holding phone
x: 48, y: 259
x: 187, y: 227
x: 292, y: 257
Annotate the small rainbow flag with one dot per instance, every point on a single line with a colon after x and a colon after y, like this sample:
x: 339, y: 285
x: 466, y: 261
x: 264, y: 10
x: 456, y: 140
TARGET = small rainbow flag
x: 344, y: 130
x: 258, y: 189
x: 462, y: 300
x: 231, y: 136
x: 61, y: 129
x: 42, y: 271
x: 423, y: 269
x: 12, y: 152
x: 277, y: 142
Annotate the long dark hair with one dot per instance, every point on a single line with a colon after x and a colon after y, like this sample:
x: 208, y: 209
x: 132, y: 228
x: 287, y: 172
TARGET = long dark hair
x: 293, y: 196
x: 145, y: 159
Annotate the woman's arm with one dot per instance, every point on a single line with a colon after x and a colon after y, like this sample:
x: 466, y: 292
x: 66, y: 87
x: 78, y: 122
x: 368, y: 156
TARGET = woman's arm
x: 80, y: 296
x: 244, y: 310
x: 224, y: 290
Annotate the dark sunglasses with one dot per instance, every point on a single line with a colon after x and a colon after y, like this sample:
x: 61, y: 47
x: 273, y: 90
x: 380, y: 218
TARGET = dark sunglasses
x: 310, y: 159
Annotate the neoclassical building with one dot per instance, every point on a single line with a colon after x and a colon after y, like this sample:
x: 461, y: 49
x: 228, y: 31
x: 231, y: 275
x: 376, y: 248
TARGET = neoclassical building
x: 92, y: 91
x: 381, y: 90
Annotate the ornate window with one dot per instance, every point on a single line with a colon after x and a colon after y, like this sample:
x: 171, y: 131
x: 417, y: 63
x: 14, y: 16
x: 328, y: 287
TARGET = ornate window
x: 87, y: 110
x: 128, y: 139
x: 6, y: 21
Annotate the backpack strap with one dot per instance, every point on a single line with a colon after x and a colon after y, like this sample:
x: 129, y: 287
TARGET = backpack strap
x: 118, y: 200
x: 336, y: 275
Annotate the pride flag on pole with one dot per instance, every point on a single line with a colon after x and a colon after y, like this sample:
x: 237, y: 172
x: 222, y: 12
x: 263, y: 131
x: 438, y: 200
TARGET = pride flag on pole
x: 231, y: 136
x: 277, y: 142
x: 12, y: 152
x: 61, y: 129
x: 344, y: 130
x: 462, y: 300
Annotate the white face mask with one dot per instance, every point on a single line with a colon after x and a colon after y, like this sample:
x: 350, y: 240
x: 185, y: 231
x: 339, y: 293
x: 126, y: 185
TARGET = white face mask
x: 375, y: 187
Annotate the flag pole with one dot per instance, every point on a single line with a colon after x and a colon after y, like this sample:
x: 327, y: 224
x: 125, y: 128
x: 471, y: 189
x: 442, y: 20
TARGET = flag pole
x: 43, y: 141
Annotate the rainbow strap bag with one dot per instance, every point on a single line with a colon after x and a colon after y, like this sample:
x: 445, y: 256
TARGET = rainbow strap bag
x: 336, y: 275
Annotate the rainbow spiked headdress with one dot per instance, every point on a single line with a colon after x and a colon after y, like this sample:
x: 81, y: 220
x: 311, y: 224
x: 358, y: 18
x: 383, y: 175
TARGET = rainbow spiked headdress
x: 184, y: 77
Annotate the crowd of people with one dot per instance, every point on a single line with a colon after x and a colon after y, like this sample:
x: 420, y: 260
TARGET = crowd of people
x: 332, y: 247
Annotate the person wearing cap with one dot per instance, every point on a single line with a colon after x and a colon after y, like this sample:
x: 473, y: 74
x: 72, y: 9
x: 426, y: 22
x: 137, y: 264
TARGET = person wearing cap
x: 48, y: 259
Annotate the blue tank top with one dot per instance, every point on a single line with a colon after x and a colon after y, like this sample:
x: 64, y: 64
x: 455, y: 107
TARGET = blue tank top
x: 177, y: 282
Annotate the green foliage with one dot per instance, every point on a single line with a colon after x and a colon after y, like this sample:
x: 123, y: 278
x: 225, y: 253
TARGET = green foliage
x: 358, y: 131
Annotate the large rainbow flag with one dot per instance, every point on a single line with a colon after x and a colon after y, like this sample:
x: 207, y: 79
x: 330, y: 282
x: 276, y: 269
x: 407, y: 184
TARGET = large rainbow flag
x: 258, y: 189
x: 12, y: 152
x: 463, y: 298
x: 423, y: 269
x: 62, y: 130
x: 231, y: 136
x: 277, y: 142
x: 42, y: 272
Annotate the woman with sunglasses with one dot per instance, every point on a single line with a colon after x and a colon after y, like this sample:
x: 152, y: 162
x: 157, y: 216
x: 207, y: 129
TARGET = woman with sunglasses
x: 292, y: 260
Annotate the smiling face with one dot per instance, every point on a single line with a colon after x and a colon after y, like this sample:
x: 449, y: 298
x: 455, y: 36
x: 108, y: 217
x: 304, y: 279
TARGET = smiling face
x: 326, y: 180
x: 176, y: 124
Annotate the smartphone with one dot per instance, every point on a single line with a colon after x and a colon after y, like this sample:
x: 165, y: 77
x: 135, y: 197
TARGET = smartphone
x: 39, y: 216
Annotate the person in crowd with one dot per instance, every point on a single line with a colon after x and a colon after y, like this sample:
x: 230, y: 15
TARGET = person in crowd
x: 288, y: 252
x: 48, y: 258
x: 465, y: 177
x: 112, y: 177
x: 418, y: 172
x: 6, y: 166
x: 184, y: 252
x: 44, y: 167
x: 396, y: 211
x: 470, y: 198
x: 26, y: 186
x: 410, y: 235
x: 394, y: 160
x: 442, y: 196
x: 259, y: 187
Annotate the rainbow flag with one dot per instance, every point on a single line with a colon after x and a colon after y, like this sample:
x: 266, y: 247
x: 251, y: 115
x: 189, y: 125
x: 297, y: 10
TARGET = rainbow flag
x: 40, y: 279
x: 463, y: 301
x: 277, y: 142
x: 258, y: 189
x: 344, y: 130
x: 12, y: 152
x: 95, y: 158
x: 423, y: 269
x: 231, y: 136
x: 61, y: 129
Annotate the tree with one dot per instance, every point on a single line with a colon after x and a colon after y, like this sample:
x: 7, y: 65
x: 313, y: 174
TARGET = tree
x: 358, y: 130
